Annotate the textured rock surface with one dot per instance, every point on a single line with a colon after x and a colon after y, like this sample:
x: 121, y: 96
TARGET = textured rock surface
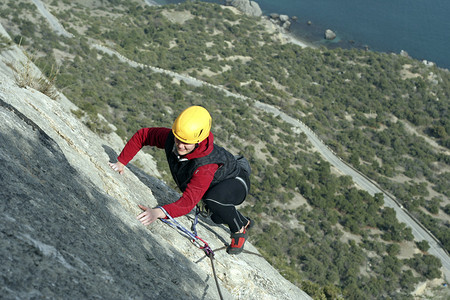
x: 250, y: 8
x: 68, y: 226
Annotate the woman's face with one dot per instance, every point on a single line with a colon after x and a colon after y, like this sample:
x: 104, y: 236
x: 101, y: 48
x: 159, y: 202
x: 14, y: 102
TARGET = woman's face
x: 183, y: 148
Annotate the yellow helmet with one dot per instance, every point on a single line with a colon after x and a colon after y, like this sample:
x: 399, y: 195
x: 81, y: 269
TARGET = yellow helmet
x: 192, y: 125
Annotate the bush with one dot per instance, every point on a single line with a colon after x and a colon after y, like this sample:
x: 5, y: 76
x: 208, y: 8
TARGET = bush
x: 5, y: 42
x: 423, y: 245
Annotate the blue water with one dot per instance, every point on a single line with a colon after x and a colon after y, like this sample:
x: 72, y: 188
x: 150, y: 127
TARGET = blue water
x: 419, y: 27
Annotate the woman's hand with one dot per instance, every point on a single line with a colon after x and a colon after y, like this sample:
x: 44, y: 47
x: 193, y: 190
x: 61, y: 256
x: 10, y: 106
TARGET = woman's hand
x: 118, y: 167
x: 150, y: 215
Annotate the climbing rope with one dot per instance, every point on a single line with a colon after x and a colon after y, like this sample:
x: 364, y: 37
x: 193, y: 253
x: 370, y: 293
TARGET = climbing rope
x: 196, y: 240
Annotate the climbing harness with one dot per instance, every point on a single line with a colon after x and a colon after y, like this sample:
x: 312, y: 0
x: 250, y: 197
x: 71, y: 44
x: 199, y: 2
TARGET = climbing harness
x: 196, y: 240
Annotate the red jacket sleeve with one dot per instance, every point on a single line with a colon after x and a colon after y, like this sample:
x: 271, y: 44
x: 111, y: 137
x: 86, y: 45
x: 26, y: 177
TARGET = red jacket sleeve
x: 155, y: 136
x: 196, y: 188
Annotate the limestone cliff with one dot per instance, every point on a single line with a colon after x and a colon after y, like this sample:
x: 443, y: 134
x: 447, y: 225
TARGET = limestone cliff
x: 250, y: 8
x: 68, y: 226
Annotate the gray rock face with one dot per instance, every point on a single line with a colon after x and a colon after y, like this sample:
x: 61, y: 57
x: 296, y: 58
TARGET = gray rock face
x: 59, y: 237
x: 68, y: 223
x: 250, y: 8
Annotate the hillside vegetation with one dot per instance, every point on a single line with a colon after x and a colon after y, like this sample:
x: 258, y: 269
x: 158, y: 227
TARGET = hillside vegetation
x: 385, y: 114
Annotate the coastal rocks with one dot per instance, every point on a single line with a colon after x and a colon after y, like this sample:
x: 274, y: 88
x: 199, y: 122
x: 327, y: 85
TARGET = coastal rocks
x: 250, y: 8
x: 404, y: 53
x: 429, y: 64
x: 330, y: 35
x: 284, y: 18
x: 286, y: 25
x: 274, y: 16
x: 281, y: 20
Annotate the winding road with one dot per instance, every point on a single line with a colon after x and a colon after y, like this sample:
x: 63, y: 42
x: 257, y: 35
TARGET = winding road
x: 419, y: 231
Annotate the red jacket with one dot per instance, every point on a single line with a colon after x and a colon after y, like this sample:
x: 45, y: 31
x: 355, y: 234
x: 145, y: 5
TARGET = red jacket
x: 199, y: 182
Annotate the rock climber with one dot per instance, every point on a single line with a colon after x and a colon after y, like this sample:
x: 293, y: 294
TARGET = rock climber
x: 207, y: 174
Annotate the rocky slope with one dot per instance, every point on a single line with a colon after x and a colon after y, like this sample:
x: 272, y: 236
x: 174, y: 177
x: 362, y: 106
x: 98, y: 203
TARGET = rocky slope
x: 68, y: 225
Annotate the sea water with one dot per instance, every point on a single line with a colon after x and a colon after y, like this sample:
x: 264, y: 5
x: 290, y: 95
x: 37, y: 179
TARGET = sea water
x: 419, y: 27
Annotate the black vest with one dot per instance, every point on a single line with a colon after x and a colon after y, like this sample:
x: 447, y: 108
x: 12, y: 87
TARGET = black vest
x: 182, y: 170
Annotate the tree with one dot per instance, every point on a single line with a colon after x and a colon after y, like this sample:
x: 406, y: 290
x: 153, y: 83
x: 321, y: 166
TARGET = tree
x: 423, y: 245
x: 426, y: 265
x: 393, y: 249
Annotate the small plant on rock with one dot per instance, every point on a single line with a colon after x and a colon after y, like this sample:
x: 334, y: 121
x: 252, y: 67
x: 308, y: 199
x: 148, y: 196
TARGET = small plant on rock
x: 27, y: 75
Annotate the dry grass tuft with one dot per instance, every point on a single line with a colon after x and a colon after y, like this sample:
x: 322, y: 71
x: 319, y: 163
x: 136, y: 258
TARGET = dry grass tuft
x: 26, y: 76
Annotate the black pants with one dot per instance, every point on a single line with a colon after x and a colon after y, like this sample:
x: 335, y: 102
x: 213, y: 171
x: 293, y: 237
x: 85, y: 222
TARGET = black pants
x: 222, y: 198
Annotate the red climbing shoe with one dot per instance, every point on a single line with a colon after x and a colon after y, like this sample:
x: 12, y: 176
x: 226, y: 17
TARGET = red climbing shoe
x: 237, y: 243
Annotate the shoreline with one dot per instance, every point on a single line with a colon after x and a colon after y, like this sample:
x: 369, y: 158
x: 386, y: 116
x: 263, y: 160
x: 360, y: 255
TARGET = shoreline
x: 311, y: 36
x: 295, y: 40
x: 292, y: 38
x: 285, y: 36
